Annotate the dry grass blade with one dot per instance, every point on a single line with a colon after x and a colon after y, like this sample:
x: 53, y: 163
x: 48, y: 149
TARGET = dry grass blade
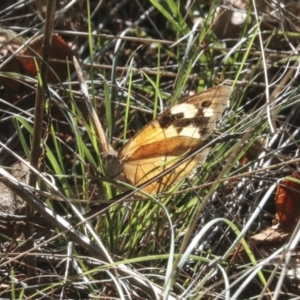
x: 105, y: 146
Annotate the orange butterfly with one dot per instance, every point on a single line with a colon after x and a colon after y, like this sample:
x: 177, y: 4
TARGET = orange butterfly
x: 164, y: 141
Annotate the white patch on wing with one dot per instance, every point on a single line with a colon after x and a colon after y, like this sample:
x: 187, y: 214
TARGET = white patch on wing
x: 190, y: 131
x: 171, y: 131
x: 208, y: 112
x: 188, y: 110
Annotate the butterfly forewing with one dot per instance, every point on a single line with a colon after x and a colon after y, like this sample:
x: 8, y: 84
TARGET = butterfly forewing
x: 172, y: 135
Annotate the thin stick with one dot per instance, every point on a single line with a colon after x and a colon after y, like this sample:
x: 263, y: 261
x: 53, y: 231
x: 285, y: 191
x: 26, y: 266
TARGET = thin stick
x: 37, y: 131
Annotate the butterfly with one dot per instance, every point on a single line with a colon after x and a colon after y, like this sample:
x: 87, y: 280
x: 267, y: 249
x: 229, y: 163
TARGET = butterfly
x: 164, y: 141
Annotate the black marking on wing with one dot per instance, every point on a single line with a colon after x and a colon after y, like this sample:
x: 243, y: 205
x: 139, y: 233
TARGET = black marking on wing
x: 167, y: 119
x: 178, y: 121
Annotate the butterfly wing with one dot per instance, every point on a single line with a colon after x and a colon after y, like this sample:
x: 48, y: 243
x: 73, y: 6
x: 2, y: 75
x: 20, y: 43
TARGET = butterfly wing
x: 173, y: 134
x: 139, y: 171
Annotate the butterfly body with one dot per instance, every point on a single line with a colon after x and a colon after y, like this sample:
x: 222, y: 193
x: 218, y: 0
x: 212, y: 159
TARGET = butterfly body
x: 164, y: 141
